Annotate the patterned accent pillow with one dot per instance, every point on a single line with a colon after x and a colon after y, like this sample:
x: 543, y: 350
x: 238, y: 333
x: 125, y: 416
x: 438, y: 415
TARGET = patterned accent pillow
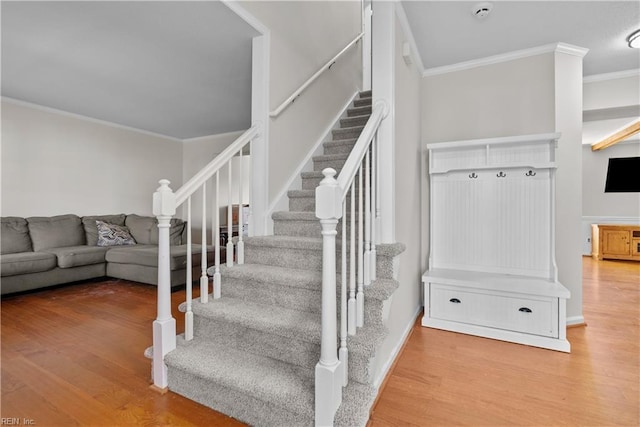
x: 113, y: 235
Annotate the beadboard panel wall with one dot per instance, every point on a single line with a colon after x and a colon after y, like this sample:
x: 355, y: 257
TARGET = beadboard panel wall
x: 54, y: 163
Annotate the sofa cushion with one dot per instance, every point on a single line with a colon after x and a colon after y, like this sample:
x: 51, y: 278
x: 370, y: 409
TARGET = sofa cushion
x: 55, y: 232
x: 148, y: 256
x: 15, y: 235
x: 90, y: 229
x: 145, y: 229
x: 113, y: 235
x: 75, y: 256
x: 27, y: 262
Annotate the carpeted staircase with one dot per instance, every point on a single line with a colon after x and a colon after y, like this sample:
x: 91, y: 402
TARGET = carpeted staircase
x: 255, y: 349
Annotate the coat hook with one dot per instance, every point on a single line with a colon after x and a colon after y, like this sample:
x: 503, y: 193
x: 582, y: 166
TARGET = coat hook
x: 473, y: 175
x: 501, y: 175
x: 530, y: 173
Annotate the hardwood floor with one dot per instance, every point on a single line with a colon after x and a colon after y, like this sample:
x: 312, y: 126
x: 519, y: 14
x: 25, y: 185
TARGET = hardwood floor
x: 74, y: 356
x: 444, y: 378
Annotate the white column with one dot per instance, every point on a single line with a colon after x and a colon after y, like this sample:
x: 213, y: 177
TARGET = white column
x: 383, y: 85
x: 329, y: 380
x: 188, y: 315
x: 259, y: 202
x: 164, y: 327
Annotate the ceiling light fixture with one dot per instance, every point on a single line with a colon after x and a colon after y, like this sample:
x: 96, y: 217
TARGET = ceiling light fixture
x: 634, y: 39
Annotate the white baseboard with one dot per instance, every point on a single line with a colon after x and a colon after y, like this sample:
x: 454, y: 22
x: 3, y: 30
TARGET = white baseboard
x: 575, y: 320
x: 377, y: 382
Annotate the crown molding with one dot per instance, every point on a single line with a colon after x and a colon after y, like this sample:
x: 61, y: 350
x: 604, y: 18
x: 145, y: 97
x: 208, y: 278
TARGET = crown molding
x: 86, y: 118
x: 612, y: 76
x: 233, y: 134
x: 505, y: 57
x: 406, y: 29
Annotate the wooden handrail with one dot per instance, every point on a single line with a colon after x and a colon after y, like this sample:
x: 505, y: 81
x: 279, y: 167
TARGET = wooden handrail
x: 294, y: 95
x: 214, y: 165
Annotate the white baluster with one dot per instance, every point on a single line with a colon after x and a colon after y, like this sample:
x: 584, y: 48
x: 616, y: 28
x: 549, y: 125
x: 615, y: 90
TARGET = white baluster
x: 343, y: 354
x: 329, y: 380
x: 217, y: 282
x: 360, y: 254
x: 374, y: 187
x: 367, y: 221
x: 230, y: 220
x: 240, y: 244
x: 188, y: 315
x: 204, y: 280
x: 164, y: 327
x: 352, y: 264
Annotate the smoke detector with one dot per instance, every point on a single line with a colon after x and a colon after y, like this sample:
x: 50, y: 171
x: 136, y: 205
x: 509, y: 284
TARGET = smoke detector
x: 482, y: 10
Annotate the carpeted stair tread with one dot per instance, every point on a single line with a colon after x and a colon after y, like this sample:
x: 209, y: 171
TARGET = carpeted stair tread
x: 366, y: 94
x: 351, y: 141
x: 264, y: 378
x: 280, y: 321
x: 301, y: 193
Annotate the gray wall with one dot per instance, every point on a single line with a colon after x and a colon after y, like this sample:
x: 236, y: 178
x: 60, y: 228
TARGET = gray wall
x: 54, y: 163
x: 409, y: 218
x: 304, y: 36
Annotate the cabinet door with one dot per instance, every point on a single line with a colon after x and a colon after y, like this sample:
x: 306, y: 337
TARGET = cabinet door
x: 615, y: 242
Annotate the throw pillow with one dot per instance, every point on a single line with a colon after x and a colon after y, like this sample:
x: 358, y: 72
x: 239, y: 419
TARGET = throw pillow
x: 113, y: 235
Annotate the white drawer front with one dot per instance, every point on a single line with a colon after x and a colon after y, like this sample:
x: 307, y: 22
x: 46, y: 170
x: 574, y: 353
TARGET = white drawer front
x: 538, y: 315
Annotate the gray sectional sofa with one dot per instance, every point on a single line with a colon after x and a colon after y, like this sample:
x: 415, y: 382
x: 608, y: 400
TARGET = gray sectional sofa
x: 37, y: 252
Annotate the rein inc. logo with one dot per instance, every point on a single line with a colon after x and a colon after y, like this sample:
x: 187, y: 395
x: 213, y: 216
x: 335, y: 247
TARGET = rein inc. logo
x: 16, y: 421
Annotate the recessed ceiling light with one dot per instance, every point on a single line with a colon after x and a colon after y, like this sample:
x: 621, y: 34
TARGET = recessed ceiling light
x: 634, y: 39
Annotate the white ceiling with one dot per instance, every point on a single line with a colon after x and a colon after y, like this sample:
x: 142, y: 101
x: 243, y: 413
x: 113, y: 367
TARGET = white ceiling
x: 180, y: 69
x: 447, y: 33
x: 183, y: 69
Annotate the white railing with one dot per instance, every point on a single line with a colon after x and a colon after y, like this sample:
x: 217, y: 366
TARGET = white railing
x: 306, y: 84
x: 165, y: 203
x: 331, y: 206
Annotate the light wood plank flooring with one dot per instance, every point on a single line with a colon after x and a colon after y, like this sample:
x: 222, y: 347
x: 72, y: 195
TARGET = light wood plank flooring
x: 73, y: 356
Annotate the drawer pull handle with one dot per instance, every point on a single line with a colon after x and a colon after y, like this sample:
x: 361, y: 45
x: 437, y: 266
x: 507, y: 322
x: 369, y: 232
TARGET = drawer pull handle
x: 525, y: 310
x: 455, y: 300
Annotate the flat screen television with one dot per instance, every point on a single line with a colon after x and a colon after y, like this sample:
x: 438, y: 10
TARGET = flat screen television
x: 623, y: 175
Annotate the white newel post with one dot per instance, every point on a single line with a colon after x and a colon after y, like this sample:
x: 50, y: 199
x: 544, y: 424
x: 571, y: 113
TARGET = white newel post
x: 164, y: 327
x: 329, y: 380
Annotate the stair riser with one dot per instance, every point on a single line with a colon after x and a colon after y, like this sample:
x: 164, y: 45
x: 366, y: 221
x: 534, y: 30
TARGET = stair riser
x: 306, y: 259
x: 320, y: 165
x: 339, y: 149
x: 304, y: 228
x: 362, y: 102
x: 226, y: 400
x: 358, y: 111
x: 296, y: 352
x: 302, y: 204
x: 310, y: 183
x: 267, y: 293
x: 302, y: 259
x: 348, y: 133
x: 354, y: 121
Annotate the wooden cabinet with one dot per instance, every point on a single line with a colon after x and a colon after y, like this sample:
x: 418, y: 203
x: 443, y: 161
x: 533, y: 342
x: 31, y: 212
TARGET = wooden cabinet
x: 615, y: 242
x: 492, y: 269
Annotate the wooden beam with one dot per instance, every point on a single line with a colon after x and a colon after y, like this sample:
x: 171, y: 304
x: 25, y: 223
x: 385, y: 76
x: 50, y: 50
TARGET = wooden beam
x: 625, y: 133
